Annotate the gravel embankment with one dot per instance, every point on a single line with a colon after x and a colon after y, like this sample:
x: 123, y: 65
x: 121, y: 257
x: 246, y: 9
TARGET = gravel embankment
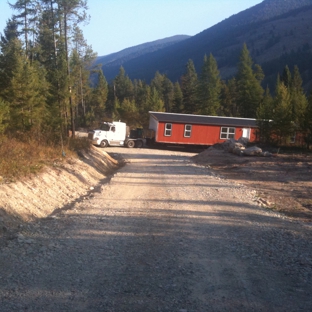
x: 162, y: 235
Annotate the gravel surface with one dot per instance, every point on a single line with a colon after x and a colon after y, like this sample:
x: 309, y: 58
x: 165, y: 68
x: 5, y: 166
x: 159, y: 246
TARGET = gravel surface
x: 163, y: 235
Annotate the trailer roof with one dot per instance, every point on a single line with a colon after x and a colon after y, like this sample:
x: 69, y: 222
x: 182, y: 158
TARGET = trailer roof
x: 204, y: 120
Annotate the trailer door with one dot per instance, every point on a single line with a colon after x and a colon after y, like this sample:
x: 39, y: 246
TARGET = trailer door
x: 246, y: 133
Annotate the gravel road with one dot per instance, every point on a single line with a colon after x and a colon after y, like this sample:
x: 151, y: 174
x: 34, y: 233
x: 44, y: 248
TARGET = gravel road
x: 162, y: 235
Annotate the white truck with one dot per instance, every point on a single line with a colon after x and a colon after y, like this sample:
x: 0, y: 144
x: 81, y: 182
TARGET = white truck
x: 116, y: 133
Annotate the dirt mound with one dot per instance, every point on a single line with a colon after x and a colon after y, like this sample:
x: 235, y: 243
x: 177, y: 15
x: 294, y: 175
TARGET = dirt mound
x: 68, y: 181
x: 215, y: 155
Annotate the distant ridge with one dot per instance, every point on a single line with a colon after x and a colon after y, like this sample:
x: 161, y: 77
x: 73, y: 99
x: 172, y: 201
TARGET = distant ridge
x: 277, y: 32
x: 118, y: 58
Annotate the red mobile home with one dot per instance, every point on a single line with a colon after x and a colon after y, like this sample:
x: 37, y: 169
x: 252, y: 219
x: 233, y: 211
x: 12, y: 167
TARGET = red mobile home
x: 171, y: 128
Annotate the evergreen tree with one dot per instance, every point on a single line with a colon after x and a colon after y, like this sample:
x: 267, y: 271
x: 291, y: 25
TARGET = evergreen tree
x: 167, y: 94
x: 282, y: 125
x: 249, y: 89
x: 110, y: 101
x: 157, y: 82
x: 52, y: 56
x: 70, y: 14
x: 140, y: 94
x: 209, y: 87
x: 10, y: 32
x: 27, y: 98
x: 11, y: 51
x: 98, y: 100
x: 22, y: 85
x: 129, y: 113
x: 286, y: 77
x: 177, y: 106
x: 154, y: 101
x: 123, y: 87
x: 164, y: 88
x: 307, y: 124
x: 116, y: 109
x: 189, y: 88
x: 4, y: 116
x: 298, y: 99
x: 264, y: 117
x: 81, y: 60
x: 26, y: 18
x: 228, y: 99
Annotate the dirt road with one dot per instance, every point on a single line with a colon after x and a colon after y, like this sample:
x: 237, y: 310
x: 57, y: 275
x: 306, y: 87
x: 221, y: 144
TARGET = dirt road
x: 162, y: 235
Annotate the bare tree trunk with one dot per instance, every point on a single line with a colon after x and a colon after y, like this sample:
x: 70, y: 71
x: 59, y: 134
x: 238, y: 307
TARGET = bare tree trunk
x: 72, y: 118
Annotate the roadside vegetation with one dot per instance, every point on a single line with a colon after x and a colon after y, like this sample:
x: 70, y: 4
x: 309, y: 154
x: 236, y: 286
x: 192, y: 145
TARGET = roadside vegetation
x: 49, y: 88
x: 20, y: 158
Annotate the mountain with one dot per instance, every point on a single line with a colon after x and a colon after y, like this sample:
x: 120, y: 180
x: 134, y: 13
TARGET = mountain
x: 277, y: 32
x: 119, y: 58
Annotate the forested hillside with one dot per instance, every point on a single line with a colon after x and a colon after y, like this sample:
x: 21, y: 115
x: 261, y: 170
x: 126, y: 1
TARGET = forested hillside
x: 277, y: 32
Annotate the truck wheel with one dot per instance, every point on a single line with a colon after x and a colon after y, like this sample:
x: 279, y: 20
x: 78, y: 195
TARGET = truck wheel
x: 139, y: 144
x: 130, y: 144
x: 104, y: 143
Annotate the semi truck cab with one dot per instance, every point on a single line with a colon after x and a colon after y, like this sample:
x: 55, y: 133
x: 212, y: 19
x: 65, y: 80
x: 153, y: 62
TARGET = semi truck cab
x: 116, y: 133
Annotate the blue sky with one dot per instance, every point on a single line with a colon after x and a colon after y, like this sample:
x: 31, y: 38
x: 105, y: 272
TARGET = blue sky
x: 120, y: 24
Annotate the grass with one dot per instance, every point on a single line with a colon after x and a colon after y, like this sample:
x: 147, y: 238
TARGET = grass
x: 20, y: 159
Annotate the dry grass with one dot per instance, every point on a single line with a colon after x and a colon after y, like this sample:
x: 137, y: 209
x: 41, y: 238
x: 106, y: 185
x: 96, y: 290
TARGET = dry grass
x: 19, y: 159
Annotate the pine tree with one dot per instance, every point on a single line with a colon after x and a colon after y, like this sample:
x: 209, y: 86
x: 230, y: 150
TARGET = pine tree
x: 307, y: 123
x: 81, y: 60
x: 264, y: 117
x: 111, y: 97
x: 259, y: 74
x: 116, y: 109
x: 154, y: 101
x: 164, y: 88
x: 123, y: 87
x: 70, y: 13
x: 140, y: 94
x: 249, y: 89
x: 129, y: 113
x: 298, y: 99
x: 10, y: 32
x: 282, y: 125
x: 189, y: 88
x: 157, y: 82
x: 177, y: 106
x: 228, y: 99
x: 209, y: 87
x: 27, y: 98
x: 22, y: 85
x: 96, y: 112
x: 167, y: 94
x: 286, y: 77
x: 4, y: 116
x: 11, y: 50
x: 26, y: 18
x: 52, y: 55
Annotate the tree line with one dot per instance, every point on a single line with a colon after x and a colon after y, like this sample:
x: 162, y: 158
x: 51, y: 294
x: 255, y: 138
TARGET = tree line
x: 49, y: 83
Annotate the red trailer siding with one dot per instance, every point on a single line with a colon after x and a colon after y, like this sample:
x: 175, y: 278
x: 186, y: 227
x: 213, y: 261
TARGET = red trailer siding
x: 172, y: 128
x: 200, y: 134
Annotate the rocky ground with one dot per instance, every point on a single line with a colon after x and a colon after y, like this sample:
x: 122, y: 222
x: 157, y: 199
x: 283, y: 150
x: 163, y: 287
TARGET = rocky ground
x: 160, y: 234
x: 283, y: 181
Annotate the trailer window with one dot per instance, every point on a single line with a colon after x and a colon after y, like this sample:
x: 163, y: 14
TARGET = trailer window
x: 187, y: 131
x: 168, y: 129
x: 227, y: 133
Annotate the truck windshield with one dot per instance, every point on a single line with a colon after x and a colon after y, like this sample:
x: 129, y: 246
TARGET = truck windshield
x: 104, y: 127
